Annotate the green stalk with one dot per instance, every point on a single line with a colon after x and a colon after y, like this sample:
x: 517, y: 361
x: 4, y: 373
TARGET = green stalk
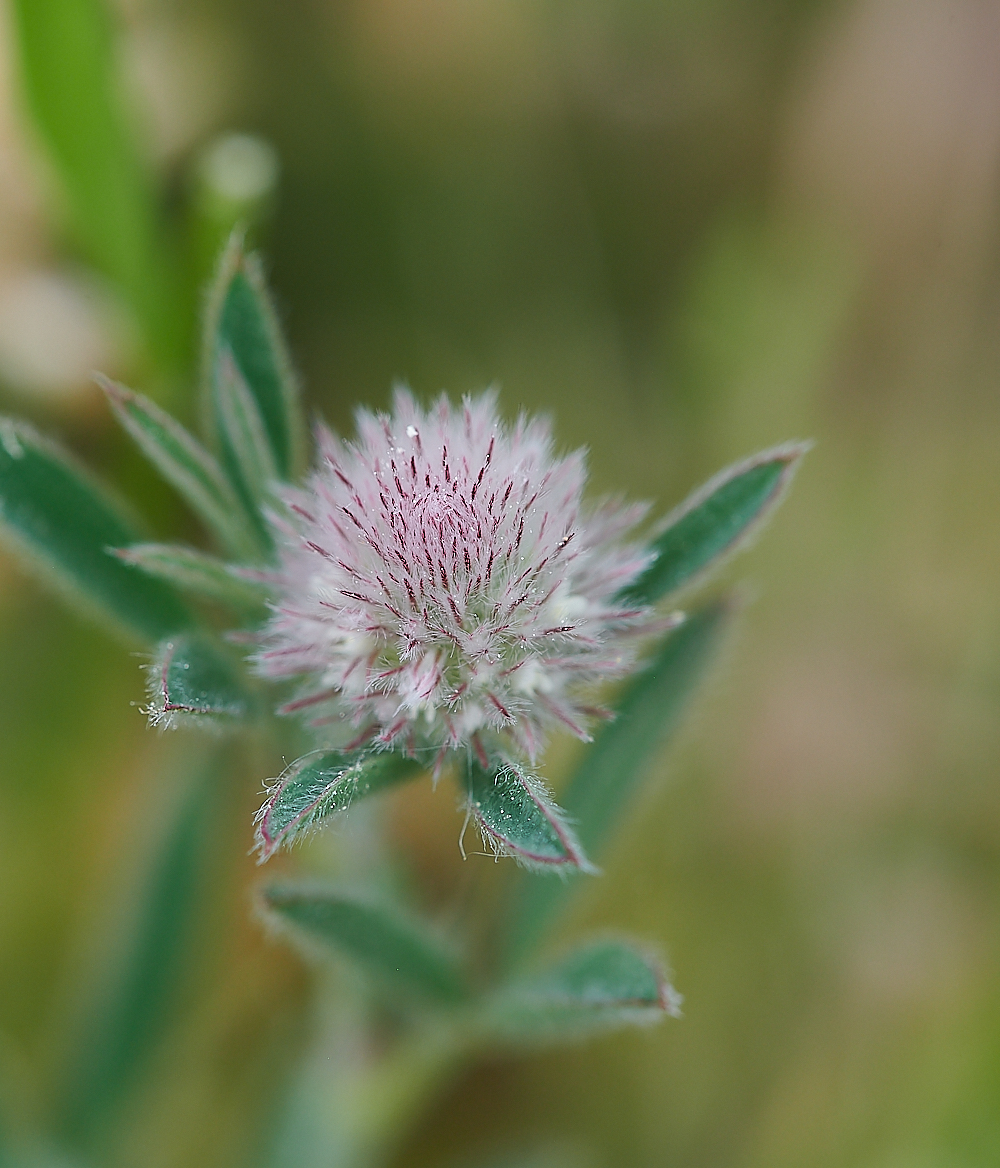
x: 391, y: 1096
x: 342, y: 1115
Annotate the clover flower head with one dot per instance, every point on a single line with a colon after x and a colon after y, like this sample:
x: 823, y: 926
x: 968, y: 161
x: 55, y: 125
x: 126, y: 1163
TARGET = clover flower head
x: 443, y: 585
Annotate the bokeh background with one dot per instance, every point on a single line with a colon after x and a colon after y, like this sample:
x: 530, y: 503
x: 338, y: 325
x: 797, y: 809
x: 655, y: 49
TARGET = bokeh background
x: 688, y: 230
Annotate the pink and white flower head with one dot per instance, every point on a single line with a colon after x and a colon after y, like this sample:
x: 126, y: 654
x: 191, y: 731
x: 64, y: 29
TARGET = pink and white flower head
x: 443, y: 585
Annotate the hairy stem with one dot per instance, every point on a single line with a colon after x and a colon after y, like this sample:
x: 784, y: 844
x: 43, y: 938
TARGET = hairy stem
x: 346, y: 1113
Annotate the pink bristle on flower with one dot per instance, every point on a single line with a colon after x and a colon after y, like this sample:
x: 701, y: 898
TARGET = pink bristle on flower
x: 442, y: 582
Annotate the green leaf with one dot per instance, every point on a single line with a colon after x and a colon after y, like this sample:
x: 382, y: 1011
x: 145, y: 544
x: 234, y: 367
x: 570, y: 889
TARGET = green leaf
x: 186, y: 465
x: 399, y: 951
x: 603, y: 986
x: 194, y: 571
x: 714, y: 521
x: 129, y: 997
x: 53, y: 511
x: 193, y: 680
x: 242, y: 320
x: 517, y: 817
x: 318, y: 787
x: 613, y: 767
x: 242, y: 431
x: 68, y: 69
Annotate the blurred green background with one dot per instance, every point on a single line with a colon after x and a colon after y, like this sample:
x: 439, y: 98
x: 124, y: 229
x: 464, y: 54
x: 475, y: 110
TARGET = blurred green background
x: 687, y: 230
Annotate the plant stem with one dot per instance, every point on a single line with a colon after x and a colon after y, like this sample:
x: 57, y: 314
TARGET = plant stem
x: 388, y: 1100
x: 347, y: 1112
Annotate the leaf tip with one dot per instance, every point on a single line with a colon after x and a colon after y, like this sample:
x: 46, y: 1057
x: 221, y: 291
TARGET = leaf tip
x: 189, y: 682
x: 517, y: 818
x: 266, y: 840
x: 119, y: 396
x: 670, y: 1000
x: 790, y: 455
x: 10, y: 438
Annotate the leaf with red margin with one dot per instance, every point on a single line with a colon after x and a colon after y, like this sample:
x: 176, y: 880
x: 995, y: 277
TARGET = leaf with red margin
x: 320, y: 786
x: 517, y: 817
x: 194, y: 680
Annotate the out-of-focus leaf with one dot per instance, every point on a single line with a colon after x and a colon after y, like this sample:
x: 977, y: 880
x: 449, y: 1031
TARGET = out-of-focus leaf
x: 614, y: 765
x: 318, y: 787
x: 605, y: 781
x: 241, y: 430
x: 67, y: 60
x: 518, y: 818
x: 186, y: 465
x: 602, y: 986
x: 52, y: 510
x: 194, y: 680
x: 194, y: 571
x: 715, y: 520
x: 241, y: 320
x: 126, y: 1010
x: 399, y: 951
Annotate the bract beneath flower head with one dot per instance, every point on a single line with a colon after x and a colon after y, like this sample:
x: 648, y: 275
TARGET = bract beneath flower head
x: 444, y: 585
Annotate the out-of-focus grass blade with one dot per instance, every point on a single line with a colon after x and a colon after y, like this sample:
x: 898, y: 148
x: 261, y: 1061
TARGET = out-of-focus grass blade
x: 518, y: 818
x: 242, y: 320
x: 715, y: 520
x: 318, y: 787
x: 399, y: 951
x: 194, y: 571
x: 193, y: 680
x: 53, y: 511
x: 186, y: 465
x: 603, y: 986
x: 613, y: 767
x: 130, y: 1009
x: 67, y: 59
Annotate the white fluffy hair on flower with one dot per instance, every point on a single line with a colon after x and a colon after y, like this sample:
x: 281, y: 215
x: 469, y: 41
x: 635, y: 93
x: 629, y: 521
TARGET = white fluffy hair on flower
x: 443, y: 585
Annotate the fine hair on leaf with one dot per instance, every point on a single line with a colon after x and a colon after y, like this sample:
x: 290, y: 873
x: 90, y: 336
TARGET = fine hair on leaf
x: 517, y: 816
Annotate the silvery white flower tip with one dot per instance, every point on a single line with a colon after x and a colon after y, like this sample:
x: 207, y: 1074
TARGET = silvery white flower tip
x: 442, y: 585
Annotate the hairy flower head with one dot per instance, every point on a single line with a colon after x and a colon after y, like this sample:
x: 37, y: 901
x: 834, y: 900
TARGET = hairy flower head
x: 442, y: 584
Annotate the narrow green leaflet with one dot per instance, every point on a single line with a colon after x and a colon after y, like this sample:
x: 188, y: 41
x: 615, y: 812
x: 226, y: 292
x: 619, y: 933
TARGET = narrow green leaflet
x: 193, y: 680
x: 242, y: 320
x: 186, y: 465
x: 603, y: 986
x: 242, y: 430
x: 716, y: 520
x: 54, y: 512
x: 517, y: 817
x: 605, y: 783
x: 194, y: 571
x: 72, y: 86
x: 398, y: 951
x: 127, y: 999
x: 318, y: 787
